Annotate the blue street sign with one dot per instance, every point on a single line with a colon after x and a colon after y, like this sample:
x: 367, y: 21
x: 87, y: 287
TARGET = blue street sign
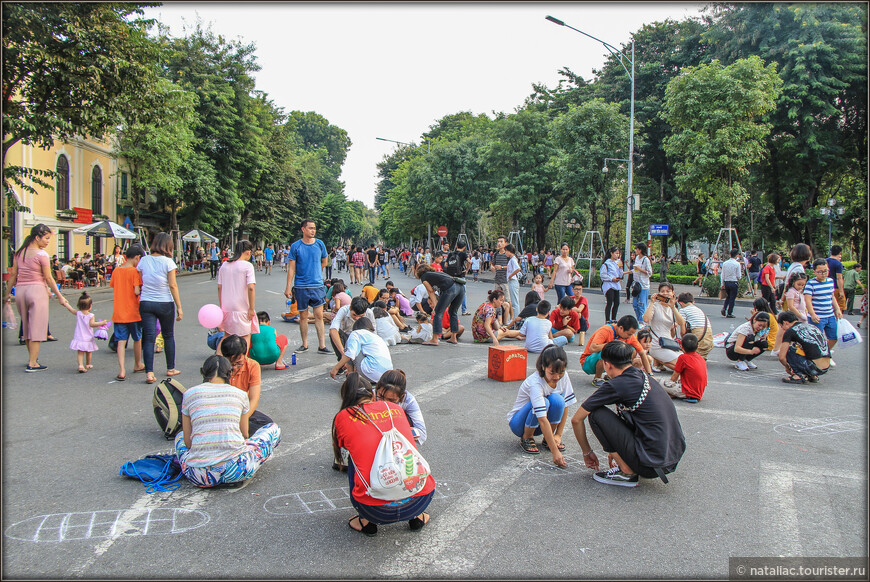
x: 658, y: 229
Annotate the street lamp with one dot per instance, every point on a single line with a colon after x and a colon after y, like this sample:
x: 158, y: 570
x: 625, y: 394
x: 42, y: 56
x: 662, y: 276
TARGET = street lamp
x: 622, y: 61
x: 831, y: 212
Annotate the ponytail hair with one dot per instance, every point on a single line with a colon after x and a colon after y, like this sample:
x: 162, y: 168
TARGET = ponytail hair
x: 37, y: 231
x: 494, y: 294
x: 241, y: 247
x: 393, y: 381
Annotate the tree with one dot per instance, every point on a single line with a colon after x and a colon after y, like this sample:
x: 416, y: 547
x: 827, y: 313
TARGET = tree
x: 716, y: 113
x: 70, y: 69
x: 819, y: 128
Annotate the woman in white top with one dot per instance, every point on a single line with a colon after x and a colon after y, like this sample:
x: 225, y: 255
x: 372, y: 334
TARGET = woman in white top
x: 564, y: 271
x: 159, y: 301
x: 642, y: 272
x: 664, y: 321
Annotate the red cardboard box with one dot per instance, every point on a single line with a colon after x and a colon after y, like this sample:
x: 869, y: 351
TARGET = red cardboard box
x: 507, y: 363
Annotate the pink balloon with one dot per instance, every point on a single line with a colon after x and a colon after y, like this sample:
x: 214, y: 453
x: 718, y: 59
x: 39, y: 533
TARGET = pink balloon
x: 210, y: 315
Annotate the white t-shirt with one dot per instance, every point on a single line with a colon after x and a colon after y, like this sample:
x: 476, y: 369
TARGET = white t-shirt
x: 344, y: 322
x: 155, y: 278
x: 376, y: 354
x: 512, y: 266
x: 418, y: 295
x: 387, y: 330
x: 536, y: 389
x: 537, y: 332
x: 642, y: 276
x: 475, y: 263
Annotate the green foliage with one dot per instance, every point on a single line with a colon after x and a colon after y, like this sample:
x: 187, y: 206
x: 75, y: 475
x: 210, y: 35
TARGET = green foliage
x: 70, y: 69
x: 716, y: 114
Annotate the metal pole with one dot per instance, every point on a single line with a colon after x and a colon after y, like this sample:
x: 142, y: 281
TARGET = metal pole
x: 429, y: 236
x: 630, y: 165
x: 830, y: 219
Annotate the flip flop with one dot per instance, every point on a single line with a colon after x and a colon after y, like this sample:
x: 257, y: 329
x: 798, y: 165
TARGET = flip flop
x: 82, y: 370
x: 135, y: 371
x: 120, y: 378
x: 150, y: 380
x: 417, y: 524
x: 690, y: 400
x: 425, y: 344
x: 369, y: 529
x: 793, y: 380
x: 173, y: 373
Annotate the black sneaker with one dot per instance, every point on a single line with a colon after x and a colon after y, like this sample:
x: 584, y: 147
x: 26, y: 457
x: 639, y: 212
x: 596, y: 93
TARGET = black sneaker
x: 35, y: 368
x: 723, y: 313
x: 616, y: 477
x: 301, y: 349
x: 730, y: 316
x: 326, y: 351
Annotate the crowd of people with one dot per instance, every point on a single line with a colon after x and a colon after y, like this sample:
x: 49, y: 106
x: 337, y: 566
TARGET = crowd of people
x: 225, y: 438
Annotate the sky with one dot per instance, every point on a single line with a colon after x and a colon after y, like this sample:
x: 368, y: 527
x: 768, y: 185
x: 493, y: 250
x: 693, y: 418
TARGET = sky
x: 391, y: 70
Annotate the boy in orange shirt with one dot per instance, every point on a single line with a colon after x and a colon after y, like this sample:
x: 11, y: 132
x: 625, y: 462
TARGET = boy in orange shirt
x: 126, y: 284
x: 625, y: 330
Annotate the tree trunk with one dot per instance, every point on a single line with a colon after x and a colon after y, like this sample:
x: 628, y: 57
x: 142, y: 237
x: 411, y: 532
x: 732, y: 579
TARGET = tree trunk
x: 684, y: 251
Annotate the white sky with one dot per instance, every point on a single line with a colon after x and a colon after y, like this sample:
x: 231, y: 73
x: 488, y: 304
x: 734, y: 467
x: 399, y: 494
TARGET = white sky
x: 392, y: 70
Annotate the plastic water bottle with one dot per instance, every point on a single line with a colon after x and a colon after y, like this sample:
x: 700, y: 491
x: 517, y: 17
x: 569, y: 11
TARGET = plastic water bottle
x: 293, y: 360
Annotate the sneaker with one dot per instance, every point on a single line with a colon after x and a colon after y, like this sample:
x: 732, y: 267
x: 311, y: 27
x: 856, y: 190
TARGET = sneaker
x: 741, y: 365
x: 723, y: 313
x: 597, y: 382
x: 833, y: 364
x: 751, y: 366
x: 324, y: 350
x: 659, y: 370
x: 301, y: 349
x: 671, y: 383
x: 36, y: 368
x: 616, y: 477
x: 730, y: 316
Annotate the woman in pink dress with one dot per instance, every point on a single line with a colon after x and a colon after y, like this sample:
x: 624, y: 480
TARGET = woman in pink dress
x: 236, y: 281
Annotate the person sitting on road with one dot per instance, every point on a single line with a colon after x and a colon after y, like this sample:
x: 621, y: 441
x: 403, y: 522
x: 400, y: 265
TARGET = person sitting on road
x: 364, y: 352
x: 664, y: 321
x: 446, y: 334
x: 644, y: 338
x: 385, y: 327
x: 483, y: 327
x: 246, y: 376
x: 803, y: 350
x: 267, y: 346
x: 214, y: 445
x: 542, y: 404
x: 538, y: 331
x: 760, y: 305
x: 748, y: 341
x: 422, y: 332
x: 342, y: 323
x: 625, y: 330
x: 565, y: 320
x: 581, y: 306
x: 370, y: 292
x: 391, y: 388
x: 689, y: 379
x: 695, y: 321
x: 644, y: 437
x: 352, y: 430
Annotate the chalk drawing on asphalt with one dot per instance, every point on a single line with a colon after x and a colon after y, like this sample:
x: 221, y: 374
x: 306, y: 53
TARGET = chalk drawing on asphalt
x: 822, y: 426
x: 62, y: 527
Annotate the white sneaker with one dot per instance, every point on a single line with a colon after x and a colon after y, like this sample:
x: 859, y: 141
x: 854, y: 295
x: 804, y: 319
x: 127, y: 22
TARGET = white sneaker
x: 658, y: 370
x: 671, y: 384
x: 751, y: 366
x: 833, y: 363
x: 741, y: 365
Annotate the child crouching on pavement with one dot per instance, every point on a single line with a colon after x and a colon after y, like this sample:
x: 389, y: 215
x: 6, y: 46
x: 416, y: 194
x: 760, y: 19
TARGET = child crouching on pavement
x: 689, y: 379
x: 423, y: 332
x: 542, y: 404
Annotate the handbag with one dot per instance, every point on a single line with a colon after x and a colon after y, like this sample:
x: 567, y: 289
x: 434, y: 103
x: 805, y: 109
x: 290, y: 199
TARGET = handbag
x: 635, y: 289
x: 9, y: 320
x: 722, y: 293
x: 670, y: 344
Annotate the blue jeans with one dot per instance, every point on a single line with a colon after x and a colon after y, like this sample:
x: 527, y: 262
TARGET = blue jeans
x: 562, y: 290
x: 152, y: 312
x: 395, y: 511
x: 525, y: 416
x: 450, y: 299
x: 828, y: 326
x: 640, y: 304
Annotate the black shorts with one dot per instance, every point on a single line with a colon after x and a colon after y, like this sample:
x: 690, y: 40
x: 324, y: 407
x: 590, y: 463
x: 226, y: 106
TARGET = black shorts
x: 616, y: 437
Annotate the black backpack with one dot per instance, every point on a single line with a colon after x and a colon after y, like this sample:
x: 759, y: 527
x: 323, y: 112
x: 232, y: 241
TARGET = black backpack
x: 451, y: 264
x: 168, y: 395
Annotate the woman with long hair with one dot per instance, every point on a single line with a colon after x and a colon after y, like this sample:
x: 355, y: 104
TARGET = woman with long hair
x: 236, y: 281
x: 611, y: 275
x: 352, y: 429
x: 34, y: 282
x: 159, y: 301
x: 563, y: 273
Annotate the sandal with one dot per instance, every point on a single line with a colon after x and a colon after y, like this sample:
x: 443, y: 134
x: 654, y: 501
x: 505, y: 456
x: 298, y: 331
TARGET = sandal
x: 529, y: 446
x: 82, y: 370
x: 368, y: 529
x: 136, y: 371
x: 417, y: 524
x: 794, y: 379
x: 172, y: 372
x: 546, y: 446
x: 150, y: 379
x: 812, y: 379
x: 120, y: 378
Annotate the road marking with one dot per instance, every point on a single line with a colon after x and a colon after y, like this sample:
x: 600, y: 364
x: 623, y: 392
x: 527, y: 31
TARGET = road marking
x: 272, y: 292
x: 203, y: 282
x: 288, y: 377
x: 441, y: 552
x: 748, y: 415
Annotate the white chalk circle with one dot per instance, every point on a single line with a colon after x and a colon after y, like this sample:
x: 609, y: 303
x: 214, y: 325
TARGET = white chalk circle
x: 822, y: 426
x: 62, y: 527
x: 320, y: 500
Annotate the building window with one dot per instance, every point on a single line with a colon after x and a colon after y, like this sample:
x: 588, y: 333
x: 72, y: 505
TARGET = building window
x: 62, y: 184
x: 97, y: 190
x: 123, y: 185
x: 63, y: 251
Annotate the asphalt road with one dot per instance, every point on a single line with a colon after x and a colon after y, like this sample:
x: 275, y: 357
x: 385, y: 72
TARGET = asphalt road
x: 770, y: 470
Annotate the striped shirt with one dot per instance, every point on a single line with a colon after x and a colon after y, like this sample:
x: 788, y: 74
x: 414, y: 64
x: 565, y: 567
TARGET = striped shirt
x: 535, y: 390
x: 215, y: 411
x: 694, y: 317
x: 822, y: 293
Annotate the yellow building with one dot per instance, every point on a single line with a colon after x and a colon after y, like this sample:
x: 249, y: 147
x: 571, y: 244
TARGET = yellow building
x: 88, y: 189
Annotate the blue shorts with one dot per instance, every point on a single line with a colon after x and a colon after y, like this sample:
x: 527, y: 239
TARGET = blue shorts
x: 590, y: 362
x: 131, y: 330
x: 309, y: 297
x: 567, y: 339
x: 827, y: 325
x: 754, y: 276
